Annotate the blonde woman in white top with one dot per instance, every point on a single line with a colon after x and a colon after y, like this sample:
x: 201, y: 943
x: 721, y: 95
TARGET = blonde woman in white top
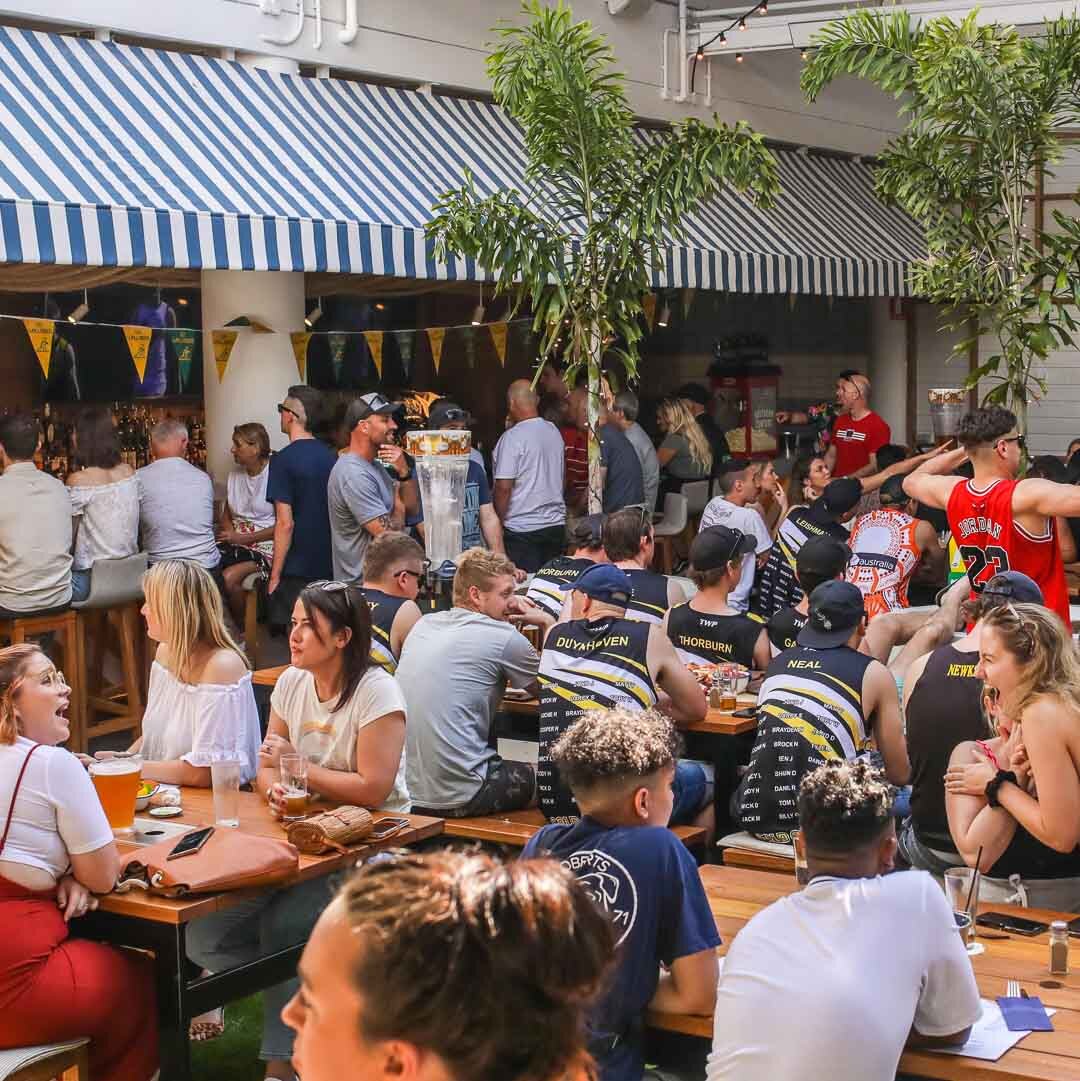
x: 200, y: 708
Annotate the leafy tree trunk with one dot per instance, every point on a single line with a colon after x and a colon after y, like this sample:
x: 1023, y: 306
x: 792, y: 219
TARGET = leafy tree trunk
x: 596, y: 488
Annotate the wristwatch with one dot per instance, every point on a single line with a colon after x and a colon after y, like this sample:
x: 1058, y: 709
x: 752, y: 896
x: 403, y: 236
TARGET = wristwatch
x: 993, y: 785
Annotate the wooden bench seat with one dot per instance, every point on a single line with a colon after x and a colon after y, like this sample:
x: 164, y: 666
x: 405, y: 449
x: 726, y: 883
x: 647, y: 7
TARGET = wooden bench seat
x: 517, y: 827
x: 745, y: 850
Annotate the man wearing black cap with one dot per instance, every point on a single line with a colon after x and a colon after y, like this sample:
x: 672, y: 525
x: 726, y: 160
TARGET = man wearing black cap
x: 364, y: 500
x: 821, y: 701
x: 888, y: 545
x: 697, y: 400
x: 547, y: 590
x: 777, y: 586
x: 820, y: 559
x: 943, y: 708
x: 708, y: 629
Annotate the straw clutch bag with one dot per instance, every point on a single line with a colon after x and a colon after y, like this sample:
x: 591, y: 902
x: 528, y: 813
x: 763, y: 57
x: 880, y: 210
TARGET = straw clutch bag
x: 331, y: 830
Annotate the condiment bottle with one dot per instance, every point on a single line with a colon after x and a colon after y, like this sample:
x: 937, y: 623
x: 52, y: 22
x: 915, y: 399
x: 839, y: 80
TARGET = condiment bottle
x: 1059, y: 948
x: 714, y: 690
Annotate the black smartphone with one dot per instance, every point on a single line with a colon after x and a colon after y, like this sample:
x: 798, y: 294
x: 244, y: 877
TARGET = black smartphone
x: 746, y: 711
x: 1016, y: 925
x: 190, y: 843
x: 387, y: 827
x: 1074, y: 927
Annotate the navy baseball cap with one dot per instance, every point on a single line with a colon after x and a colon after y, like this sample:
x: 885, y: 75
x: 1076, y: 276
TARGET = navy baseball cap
x: 838, y: 498
x: 717, y: 546
x: 822, y: 557
x: 604, y: 582
x: 835, y: 611
x: 1013, y: 586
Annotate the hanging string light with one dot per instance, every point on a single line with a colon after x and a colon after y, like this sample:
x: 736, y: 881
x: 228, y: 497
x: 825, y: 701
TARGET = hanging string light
x: 720, y: 38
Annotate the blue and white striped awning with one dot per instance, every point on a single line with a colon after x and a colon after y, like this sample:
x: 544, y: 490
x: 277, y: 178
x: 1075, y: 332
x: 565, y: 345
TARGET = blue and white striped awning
x: 119, y: 156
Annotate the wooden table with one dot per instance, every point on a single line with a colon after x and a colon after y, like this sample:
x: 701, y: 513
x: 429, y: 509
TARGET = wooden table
x: 735, y: 895
x: 159, y: 924
x: 267, y: 677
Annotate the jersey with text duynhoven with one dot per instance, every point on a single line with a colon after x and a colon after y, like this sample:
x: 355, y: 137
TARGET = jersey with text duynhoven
x: 648, y: 595
x: 703, y: 638
x: 809, y: 712
x: 383, y: 610
x: 547, y: 590
x: 991, y: 541
x: 884, y: 555
x: 587, y: 664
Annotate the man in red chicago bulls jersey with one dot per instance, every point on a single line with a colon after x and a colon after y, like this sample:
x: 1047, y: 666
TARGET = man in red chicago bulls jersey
x: 1000, y: 523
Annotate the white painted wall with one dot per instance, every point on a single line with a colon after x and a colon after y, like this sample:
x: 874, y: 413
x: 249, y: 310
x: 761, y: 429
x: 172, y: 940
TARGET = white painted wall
x: 934, y: 368
x: 887, y: 367
x: 444, y: 42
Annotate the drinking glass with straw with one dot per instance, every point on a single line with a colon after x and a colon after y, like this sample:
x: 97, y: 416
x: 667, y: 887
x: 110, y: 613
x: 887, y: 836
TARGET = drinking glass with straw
x: 962, y: 889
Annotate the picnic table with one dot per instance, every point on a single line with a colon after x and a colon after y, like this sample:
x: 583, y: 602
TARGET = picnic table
x: 736, y: 894
x: 159, y: 924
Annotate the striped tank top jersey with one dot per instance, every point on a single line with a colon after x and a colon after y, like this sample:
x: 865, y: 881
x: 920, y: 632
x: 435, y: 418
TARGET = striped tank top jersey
x: 547, y: 590
x: 587, y: 664
x: 648, y: 595
x: 809, y: 712
x: 383, y: 610
x: 700, y: 638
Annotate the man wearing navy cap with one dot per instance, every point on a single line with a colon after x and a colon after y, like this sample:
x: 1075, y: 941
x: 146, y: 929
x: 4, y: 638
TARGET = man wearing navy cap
x: 821, y: 701
x: 599, y: 659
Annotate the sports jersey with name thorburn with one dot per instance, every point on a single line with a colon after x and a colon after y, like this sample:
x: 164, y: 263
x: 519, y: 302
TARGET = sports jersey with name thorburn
x: 548, y: 588
x: 704, y: 638
x: 587, y: 664
x: 991, y: 541
x: 384, y: 608
x: 884, y: 557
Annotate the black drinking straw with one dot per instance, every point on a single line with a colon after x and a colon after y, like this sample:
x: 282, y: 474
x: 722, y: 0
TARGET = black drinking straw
x: 974, y: 879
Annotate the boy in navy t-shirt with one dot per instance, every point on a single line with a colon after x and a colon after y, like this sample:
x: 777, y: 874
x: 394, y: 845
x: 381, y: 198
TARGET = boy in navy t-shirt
x: 620, y: 766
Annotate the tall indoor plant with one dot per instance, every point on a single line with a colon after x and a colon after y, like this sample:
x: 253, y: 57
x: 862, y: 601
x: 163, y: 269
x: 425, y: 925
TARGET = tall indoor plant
x: 579, y: 241
x: 984, y: 109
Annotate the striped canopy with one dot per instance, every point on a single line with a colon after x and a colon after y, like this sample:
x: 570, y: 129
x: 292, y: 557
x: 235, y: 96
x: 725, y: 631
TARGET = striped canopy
x: 116, y: 156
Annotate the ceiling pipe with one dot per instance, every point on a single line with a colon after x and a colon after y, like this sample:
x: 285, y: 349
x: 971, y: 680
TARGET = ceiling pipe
x: 347, y: 34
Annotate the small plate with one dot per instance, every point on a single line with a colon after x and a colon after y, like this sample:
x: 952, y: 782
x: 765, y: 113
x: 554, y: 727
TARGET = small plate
x: 166, y: 812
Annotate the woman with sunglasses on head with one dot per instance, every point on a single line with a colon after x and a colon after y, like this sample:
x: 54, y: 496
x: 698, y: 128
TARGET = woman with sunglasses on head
x: 56, y: 852
x: 346, y: 716
x: 1018, y: 796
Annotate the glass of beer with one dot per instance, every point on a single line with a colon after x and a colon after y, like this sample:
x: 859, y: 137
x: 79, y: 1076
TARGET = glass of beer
x: 294, y: 781
x: 117, y: 782
x: 728, y: 678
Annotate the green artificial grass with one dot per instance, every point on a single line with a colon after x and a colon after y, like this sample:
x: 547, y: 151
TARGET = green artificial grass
x: 233, y: 1056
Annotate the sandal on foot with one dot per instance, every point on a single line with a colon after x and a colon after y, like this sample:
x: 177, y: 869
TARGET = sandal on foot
x: 209, y: 1026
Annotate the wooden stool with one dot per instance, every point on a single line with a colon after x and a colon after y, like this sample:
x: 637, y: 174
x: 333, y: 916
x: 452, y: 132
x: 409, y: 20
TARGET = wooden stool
x: 63, y: 627
x: 44, y: 1062
x: 114, y: 602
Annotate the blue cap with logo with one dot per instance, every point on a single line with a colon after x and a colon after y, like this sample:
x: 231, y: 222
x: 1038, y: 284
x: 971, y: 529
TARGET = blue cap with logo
x: 604, y: 582
x: 835, y: 611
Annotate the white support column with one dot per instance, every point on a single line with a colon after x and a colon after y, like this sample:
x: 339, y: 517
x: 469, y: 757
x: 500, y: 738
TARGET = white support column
x: 888, y: 367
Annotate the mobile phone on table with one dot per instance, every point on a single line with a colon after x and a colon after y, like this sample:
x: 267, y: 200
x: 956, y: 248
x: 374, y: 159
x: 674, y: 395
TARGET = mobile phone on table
x: 746, y: 711
x: 387, y: 827
x: 190, y: 843
x: 1016, y: 925
x: 1074, y: 927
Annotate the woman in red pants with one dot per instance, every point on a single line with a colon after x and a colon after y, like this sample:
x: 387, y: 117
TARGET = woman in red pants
x: 56, y: 851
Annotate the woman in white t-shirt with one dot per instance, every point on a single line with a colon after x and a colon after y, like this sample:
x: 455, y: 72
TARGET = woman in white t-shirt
x: 246, y: 530
x: 56, y: 851
x: 200, y: 707
x: 346, y: 715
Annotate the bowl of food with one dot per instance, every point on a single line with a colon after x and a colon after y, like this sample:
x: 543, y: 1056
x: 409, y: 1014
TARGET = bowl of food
x: 146, y: 791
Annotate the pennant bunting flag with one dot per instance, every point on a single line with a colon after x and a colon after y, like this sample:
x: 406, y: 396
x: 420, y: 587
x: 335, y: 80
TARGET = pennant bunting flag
x: 374, y: 339
x: 300, y: 339
x: 138, y: 341
x: 406, y: 344
x: 40, y: 332
x: 648, y: 303
x: 223, y: 342
x: 183, y: 342
x: 436, y: 336
x: 337, y: 341
x: 498, y: 336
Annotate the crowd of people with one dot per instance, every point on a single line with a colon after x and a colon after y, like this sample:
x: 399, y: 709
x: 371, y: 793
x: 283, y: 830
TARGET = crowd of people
x: 885, y: 735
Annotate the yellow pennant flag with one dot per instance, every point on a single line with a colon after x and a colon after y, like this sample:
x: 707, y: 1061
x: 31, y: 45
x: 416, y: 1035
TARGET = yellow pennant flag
x: 436, y: 336
x: 374, y: 339
x: 648, y: 302
x: 300, y: 341
x: 41, y: 333
x: 138, y: 340
x: 223, y: 341
x: 498, y: 336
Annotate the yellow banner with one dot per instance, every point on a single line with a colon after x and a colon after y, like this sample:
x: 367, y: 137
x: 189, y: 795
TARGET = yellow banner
x: 648, y: 302
x: 498, y: 336
x: 138, y: 340
x: 41, y: 333
x: 300, y: 341
x: 436, y: 336
x: 223, y: 341
x: 374, y: 339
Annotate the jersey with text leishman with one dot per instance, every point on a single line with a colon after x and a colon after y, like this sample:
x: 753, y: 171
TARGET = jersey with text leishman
x: 991, y: 541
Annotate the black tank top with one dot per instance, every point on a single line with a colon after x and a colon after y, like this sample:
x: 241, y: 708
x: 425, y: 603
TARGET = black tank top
x: 383, y: 610
x: 784, y: 627
x: 944, y: 709
x: 587, y: 664
x: 700, y: 638
x: 548, y: 586
x: 809, y: 712
x: 648, y: 595
x: 1030, y: 858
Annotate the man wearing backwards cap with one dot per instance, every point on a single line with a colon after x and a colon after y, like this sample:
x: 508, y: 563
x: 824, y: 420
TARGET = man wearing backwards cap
x: 364, y: 501
x: 943, y: 708
x: 777, y: 585
x: 599, y: 659
x: 820, y: 559
x: 821, y: 701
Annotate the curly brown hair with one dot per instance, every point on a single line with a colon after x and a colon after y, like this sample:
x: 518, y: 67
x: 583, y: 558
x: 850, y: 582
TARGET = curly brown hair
x: 489, y: 965
x: 844, y: 805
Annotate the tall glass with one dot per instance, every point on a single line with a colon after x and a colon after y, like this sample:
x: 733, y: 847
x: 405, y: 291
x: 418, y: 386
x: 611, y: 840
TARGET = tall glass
x: 117, y: 782
x: 225, y: 778
x: 294, y: 781
x: 964, y: 898
x: 442, y: 465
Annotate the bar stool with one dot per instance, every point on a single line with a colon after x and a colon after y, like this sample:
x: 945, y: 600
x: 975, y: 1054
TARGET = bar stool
x: 670, y: 526
x: 115, y: 596
x: 62, y: 625
x: 43, y: 1062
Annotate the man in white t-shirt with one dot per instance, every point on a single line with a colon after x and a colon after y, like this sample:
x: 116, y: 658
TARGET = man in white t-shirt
x: 738, y: 485
x: 528, y: 466
x: 834, y: 982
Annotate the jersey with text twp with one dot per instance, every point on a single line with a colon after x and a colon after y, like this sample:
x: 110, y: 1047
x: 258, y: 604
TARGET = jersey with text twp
x: 991, y: 541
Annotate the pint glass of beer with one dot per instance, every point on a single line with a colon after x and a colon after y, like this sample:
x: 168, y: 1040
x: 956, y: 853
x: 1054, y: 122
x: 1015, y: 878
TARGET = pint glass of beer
x: 117, y: 783
x: 294, y: 781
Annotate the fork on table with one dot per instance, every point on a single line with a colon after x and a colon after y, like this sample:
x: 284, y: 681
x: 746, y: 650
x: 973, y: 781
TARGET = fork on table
x: 1014, y: 990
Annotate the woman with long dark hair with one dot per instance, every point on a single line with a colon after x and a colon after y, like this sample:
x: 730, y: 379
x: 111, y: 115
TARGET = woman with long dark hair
x: 104, y: 499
